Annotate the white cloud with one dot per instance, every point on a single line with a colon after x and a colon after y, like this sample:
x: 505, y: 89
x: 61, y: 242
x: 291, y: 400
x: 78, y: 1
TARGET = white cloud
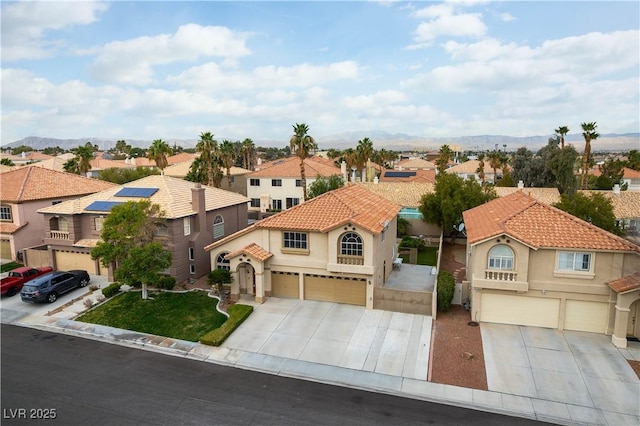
x: 133, y: 61
x: 464, y: 25
x: 25, y: 23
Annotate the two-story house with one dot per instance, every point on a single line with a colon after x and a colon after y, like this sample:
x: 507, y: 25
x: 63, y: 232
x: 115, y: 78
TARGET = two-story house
x: 27, y: 189
x: 470, y: 169
x: 237, y: 181
x: 336, y: 247
x: 529, y: 263
x: 278, y: 186
x: 196, y: 215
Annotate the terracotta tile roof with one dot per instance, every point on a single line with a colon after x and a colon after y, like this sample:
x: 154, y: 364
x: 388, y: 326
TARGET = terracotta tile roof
x: 55, y: 163
x: 173, y: 196
x: 182, y: 169
x: 416, y: 163
x: 36, y: 183
x: 5, y: 168
x: 180, y: 158
x: 624, y: 284
x: 252, y: 250
x: 406, y: 194
x: 546, y: 195
x: 350, y: 204
x: 10, y: 228
x: 627, y: 173
x: 626, y: 204
x: 538, y: 225
x: 103, y: 163
x: 424, y: 176
x: 87, y: 242
x: 469, y: 167
x: 290, y: 168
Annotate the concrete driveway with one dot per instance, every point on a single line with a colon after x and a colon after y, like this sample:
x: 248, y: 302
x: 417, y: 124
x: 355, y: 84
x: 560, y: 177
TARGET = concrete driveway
x: 564, y: 371
x: 340, y: 335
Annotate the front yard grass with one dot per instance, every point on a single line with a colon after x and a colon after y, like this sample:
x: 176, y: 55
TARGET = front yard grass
x: 186, y: 316
x: 9, y: 266
x: 426, y: 256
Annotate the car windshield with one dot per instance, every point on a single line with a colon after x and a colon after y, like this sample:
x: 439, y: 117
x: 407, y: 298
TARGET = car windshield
x: 29, y: 288
x: 15, y: 274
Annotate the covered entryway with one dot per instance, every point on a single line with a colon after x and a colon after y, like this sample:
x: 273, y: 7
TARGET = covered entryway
x: 247, y: 278
x: 67, y: 261
x: 581, y: 315
x: 633, y: 323
x: 352, y: 291
x: 627, y: 311
x: 285, y: 284
x: 519, y: 310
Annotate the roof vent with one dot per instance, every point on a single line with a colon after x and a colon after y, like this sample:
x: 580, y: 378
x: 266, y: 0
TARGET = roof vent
x: 520, y: 184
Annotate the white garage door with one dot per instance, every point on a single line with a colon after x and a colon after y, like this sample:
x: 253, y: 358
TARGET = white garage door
x: 67, y: 261
x: 586, y: 316
x: 335, y: 289
x: 520, y: 310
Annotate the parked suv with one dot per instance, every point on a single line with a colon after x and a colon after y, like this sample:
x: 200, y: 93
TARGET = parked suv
x: 48, y: 287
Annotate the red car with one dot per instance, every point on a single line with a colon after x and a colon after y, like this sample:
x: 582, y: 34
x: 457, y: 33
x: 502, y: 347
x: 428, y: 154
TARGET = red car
x: 13, y: 283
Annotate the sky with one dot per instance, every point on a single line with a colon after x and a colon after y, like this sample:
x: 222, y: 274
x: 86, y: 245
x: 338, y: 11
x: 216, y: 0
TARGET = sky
x: 172, y: 70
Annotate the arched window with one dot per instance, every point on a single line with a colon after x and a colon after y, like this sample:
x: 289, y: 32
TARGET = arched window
x: 501, y: 257
x: 218, y: 227
x: 161, y: 230
x: 222, y: 263
x: 351, y: 244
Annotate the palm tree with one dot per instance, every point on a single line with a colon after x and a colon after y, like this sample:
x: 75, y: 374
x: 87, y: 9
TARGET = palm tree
x: 589, y: 133
x: 349, y: 156
x: 207, y: 147
x: 562, y: 130
x: 248, y: 150
x: 158, y: 152
x: 301, y: 143
x: 81, y: 163
x: 443, y: 160
x: 495, y: 160
x: 226, y: 156
x: 480, y: 169
x: 364, y: 150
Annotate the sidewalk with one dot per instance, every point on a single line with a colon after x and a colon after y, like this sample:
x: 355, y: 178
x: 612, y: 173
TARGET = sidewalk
x: 401, y: 381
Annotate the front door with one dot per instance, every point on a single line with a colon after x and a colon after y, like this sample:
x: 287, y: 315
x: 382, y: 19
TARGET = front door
x: 633, y: 323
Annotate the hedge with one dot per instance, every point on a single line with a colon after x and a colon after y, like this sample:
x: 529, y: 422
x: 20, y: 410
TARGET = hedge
x: 111, y: 290
x: 237, y: 314
x: 446, y: 290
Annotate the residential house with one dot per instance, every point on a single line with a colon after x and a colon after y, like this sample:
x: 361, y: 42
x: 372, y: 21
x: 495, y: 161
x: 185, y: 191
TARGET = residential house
x: 532, y: 264
x: 335, y: 247
x: 546, y: 195
x: 626, y: 208
x: 25, y: 158
x: 196, y: 215
x: 420, y: 175
x: 415, y: 164
x: 279, y: 186
x: 470, y: 169
x: 630, y: 177
x: 27, y: 189
x: 55, y: 163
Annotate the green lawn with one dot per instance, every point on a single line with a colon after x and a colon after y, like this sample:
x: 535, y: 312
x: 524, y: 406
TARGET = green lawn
x: 185, y: 316
x: 9, y: 266
x: 426, y: 256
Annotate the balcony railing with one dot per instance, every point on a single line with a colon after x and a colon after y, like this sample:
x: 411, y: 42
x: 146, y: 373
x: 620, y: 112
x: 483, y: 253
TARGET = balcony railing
x: 59, y: 235
x: 496, y: 275
x: 350, y: 260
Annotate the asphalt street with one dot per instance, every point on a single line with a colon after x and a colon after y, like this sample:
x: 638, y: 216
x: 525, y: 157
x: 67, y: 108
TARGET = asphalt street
x: 80, y: 381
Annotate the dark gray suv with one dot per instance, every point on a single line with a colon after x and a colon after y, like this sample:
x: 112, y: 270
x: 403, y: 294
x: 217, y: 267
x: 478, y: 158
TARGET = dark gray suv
x: 47, y: 287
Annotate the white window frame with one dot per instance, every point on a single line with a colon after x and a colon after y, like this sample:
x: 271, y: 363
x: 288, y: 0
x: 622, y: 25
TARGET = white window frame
x: 294, y: 240
x: 192, y: 269
x: 573, y: 262
x: 273, y: 204
x: 501, y: 261
x: 98, y: 223
x: 218, y: 227
x: 354, y: 248
x: 186, y: 224
x: 192, y: 253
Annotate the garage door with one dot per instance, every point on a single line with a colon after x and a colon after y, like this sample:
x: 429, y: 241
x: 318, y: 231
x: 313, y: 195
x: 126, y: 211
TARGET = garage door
x: 520, y: 310
x: 335, y: 289
x: 586, y: 316
x: 5, y: 249
x: 66, y: 261
x: 285, y: 284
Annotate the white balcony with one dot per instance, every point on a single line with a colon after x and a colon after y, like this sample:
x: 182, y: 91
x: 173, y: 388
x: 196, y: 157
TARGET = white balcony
x: 59, y: 235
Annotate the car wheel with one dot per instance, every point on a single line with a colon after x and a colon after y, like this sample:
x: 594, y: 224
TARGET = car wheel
x: 84, y: 282
x: 52, y: 297
x: 12, y: 291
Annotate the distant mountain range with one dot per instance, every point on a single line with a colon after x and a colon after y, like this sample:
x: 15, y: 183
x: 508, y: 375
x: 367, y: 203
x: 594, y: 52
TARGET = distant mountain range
x: 381, y: 139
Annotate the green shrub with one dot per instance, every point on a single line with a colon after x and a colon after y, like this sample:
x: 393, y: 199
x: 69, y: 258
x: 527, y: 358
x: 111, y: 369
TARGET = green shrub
x: 446, y: 290
x: 412, y: 242
x: 111, y: 289
x: 237, y: 314
x: 165, y: 282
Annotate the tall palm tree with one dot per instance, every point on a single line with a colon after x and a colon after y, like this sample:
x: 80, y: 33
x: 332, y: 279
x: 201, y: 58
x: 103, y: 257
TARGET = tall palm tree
x: 495, y: 160
x: 81, y: 163
x: 480, y: 169
x: 158, y: 152
x: 364, y: 151
x: 589, y: 133
x: 248, y: 149
x: 226, y: 157
x: 349, y: 156
x: 207, y: 147
x: 562, y: 130
x: 443, y: 159
x: 301, y: 144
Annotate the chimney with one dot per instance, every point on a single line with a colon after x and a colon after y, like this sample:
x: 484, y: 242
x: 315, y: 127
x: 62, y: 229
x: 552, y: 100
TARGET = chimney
x: 343, y: 170
x: 376, y: 180
x: 199, y: 206
x: 520, y: 184
x: 616, y: 188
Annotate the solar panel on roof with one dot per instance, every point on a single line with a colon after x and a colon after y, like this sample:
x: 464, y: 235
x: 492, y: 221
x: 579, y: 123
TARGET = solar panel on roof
x: 130, y: 191
x: 399, y: 174
x: 102, y: 206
